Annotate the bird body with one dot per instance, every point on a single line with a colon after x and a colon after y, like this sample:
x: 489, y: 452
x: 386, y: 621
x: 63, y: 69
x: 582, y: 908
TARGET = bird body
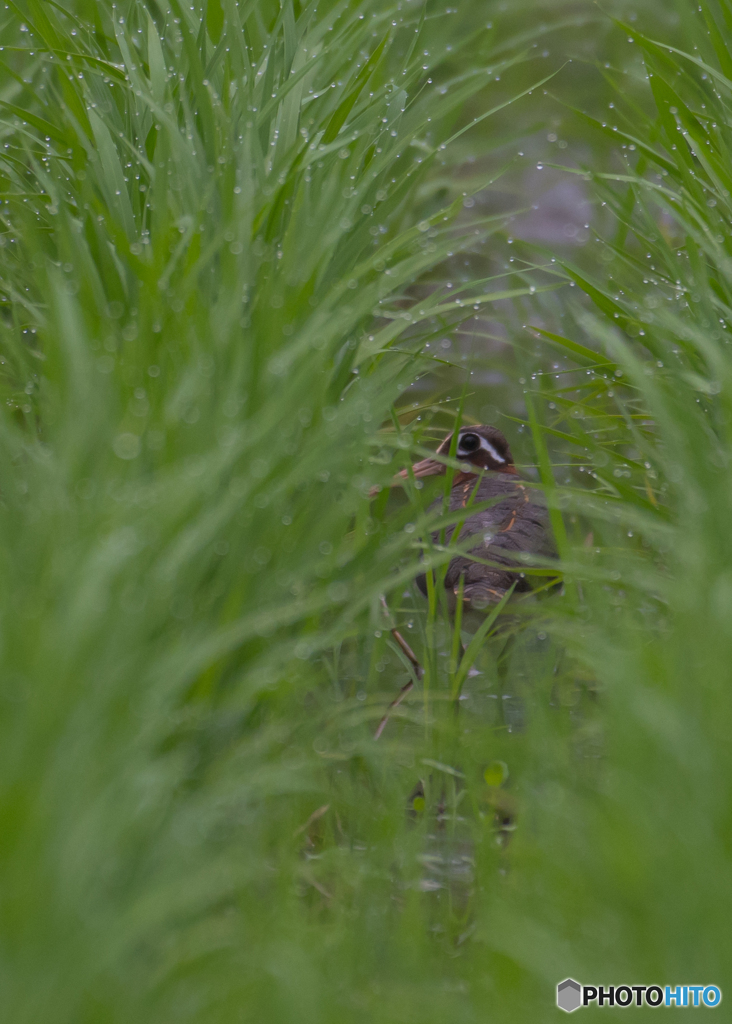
x: 516, y: 522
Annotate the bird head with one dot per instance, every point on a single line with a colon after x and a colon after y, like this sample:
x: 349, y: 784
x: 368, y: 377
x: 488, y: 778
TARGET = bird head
x: 478, y: 449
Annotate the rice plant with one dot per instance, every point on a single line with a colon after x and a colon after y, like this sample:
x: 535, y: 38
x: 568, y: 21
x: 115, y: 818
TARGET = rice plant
x: 625, y: 871
x: 208, y: 236
x: 226, y: 240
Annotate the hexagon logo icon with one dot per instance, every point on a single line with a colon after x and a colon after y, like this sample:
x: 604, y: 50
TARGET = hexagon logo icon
x: 569, y: 995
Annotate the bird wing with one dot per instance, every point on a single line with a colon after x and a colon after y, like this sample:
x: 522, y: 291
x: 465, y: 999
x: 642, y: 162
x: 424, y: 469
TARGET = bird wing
x: 516, y: 522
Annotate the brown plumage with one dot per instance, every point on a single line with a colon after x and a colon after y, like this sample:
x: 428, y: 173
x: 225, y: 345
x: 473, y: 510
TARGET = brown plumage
x: 517, y: 522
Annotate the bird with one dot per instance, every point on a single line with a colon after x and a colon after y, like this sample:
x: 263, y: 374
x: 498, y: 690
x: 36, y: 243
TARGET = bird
x: 516, y: 523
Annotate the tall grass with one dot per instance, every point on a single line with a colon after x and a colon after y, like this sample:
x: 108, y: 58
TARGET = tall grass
x: 625, y: 869
x: 212, y: 244
x: 208, y: 236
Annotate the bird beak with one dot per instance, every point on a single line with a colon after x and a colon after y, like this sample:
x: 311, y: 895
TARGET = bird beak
x: 427, y: 467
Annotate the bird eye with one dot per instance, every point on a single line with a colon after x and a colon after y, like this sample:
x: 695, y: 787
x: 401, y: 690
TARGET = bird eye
x: 469, y: 443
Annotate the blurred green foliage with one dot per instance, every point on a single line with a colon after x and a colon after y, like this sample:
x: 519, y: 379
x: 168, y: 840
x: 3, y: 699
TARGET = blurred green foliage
x: 233, y: 236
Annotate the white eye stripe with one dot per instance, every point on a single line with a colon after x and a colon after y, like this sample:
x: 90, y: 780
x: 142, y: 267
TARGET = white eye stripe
x: 488, y: 447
